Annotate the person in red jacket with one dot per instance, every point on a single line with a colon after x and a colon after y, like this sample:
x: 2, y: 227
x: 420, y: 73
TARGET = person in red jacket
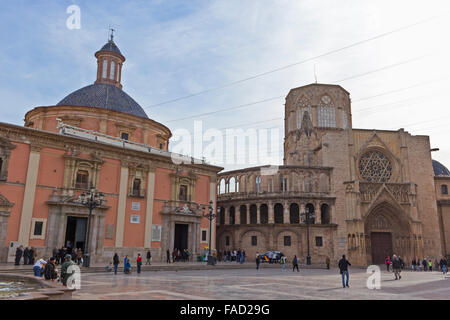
x: 139, y: 263
x: 387, y: 262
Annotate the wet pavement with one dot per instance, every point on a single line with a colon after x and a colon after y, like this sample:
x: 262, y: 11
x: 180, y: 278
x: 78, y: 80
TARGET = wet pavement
x: 264, y: 284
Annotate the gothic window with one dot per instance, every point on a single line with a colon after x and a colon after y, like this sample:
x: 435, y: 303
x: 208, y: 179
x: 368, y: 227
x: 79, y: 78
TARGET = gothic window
x: 222, y: 186
x: 232, y: 185
x: 444, y: 189
x: 326, y: 113
x: 374, y: 166
x: 303, y: 106
x: 82, y: 181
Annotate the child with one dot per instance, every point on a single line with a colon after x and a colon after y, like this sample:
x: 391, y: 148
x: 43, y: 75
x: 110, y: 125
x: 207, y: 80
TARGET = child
x: 109, y: 267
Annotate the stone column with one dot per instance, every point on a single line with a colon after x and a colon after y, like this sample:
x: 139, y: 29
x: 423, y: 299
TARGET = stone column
x: 237, y: 215
x: 286, y: 213
x: 258, y: 213
x: 149, y: 208
x: 317, y: 212
x: 248, y: 213
x: 226, y: 212
x: 121, y: 207
x: 28, y: 197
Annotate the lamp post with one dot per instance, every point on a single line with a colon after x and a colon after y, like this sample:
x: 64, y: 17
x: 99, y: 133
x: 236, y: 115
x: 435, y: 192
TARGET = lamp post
x: 307, y: 215
x: 210, y: 216
x: 92, y: 199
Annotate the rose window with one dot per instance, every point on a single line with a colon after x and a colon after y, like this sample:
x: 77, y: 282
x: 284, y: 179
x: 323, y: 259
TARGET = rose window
x: 374, y: 166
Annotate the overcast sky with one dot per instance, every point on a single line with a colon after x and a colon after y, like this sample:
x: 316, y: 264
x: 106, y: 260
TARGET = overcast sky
x: 179, y: 48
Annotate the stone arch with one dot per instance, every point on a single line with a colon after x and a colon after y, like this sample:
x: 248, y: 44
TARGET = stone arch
x: 264, y: 214
x: 245, y: 242
x: 278, y: 213
x: 325, y: 217
x: 232, y: 184
x: 221, y: 241
x: 243, y: 214
x: 385, y: 225
x: 311, y: 211
x: 253, y: 214
x: 294, y: 213
x: 232, y: 213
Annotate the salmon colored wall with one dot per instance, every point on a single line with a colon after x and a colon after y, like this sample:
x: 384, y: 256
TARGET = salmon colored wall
x: 50, y: 124
x: 18, y: 163
x: 202, y: 196
x: 51, y: 168
x: 111, y: 218
x: 134, y: 232
x: 90, y: 124
x: 14, y: 194
x: 40, y: 210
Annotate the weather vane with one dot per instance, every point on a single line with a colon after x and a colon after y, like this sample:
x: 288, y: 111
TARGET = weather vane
x: 112, y: 33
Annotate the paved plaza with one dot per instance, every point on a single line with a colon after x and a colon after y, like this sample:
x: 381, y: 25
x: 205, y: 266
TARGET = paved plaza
x: 265, y: 284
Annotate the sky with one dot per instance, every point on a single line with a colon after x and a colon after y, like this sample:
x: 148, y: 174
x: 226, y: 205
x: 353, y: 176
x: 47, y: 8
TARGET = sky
x: 186, y: 58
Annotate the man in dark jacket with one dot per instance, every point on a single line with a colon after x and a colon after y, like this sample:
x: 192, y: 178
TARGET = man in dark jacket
x: 19, y: 253
x: 149, y: 258
x: 25, y: 256
x: 343, y: 267
x: 396, y: 265
x: 66, y: 270
x: 50, y: 270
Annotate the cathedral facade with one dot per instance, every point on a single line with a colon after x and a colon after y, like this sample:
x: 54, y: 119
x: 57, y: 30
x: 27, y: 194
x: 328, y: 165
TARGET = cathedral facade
x: 100, y: 139
x: 368, y: 194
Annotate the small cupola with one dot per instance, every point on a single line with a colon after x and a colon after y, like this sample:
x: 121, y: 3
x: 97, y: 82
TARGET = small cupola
x: 109, y: 63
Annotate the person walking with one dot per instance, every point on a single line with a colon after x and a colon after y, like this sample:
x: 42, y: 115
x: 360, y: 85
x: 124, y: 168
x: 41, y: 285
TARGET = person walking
x: 26, y: 254
x: 430, y: 264
x: 413, y: 264
x: 387, y: 262
x: 327, y: 262
x: 443, y: 265
x: 139, y: 263
x: 343, y: 268
x: 116, y: 262
x: 424, y: 263
x: 396, y: 266
x: 257, y: 261
x: 79, y: 256
x: 19, y: 253
x: 65, y: 275
x: 295, y: 264
x: 126, y: 265
x: 283, y: 263
x: 168, y: 256
x: 50, y: 270
x: 149, y: 258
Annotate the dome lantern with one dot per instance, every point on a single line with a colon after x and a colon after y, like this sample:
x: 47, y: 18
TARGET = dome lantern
x: 109, y: 63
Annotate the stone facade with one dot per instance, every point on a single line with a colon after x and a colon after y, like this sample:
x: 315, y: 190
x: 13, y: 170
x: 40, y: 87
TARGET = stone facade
x: 377, y: 187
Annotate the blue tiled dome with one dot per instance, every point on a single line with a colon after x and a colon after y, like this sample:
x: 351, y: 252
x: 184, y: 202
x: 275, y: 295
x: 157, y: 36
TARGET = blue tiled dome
x: 440, y: 169
x: 104, y: 96
x: 111, y: 46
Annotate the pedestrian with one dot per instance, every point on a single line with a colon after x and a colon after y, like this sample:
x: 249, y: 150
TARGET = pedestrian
x: 295, y: 264
x: 257, y: 261
x: 327, y: 262
x: 149, y: 257
x: 343, y: 268
x: 115, y: 262
x: 418, y: 264
x: 430, y: 264
x: 26, y: 254
x: 19, y: 253
x: 38, y: 267
x: 436, y: 265
x: 126, y: 265
x: 424, y: 263
x: 66, y: 266
x: 139, y: 263
x: 387, y: 262
x: 443, y: 265
x: 168, y: 256
x: 79, y: 256
x: 108, y: 267
x: 283, y: 263
x: 55, y: 254
x: 50, y: 270
x: 242, y: 258
x: 413, y: 264
x: 396, y: 266
x: 60, y: 258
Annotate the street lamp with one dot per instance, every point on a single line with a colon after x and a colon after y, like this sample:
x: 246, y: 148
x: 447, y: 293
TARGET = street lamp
x: 210, y: 216
x: 92, y: 199
x: 308, y: 218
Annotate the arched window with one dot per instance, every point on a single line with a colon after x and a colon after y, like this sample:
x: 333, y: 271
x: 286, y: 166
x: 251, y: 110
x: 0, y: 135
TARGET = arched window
x: 325, y: 214
x: 264, y: 214
x: 232, y: 183
x: 82, y: 180
x: 222, y: 215
x: 326, y: 113
x: 294, y: 211
x: 243, y: 213
x: 222, y: 186
x: 278, y: 211
x: 232, y: 215
x: 303, y: 106
x: 309, y: 209
x: 105, y: 69
x: 112, y: 72
x: 253, y: 214
x: 237, y: 185
x: 258, y: 184
x: 444, y: 189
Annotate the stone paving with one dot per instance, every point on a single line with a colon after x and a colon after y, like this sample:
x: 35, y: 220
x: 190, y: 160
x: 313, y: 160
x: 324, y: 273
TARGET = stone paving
x: 264, y: 284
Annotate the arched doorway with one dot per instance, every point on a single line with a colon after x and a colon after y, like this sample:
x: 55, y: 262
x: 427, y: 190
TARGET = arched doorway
x: 387, y: 227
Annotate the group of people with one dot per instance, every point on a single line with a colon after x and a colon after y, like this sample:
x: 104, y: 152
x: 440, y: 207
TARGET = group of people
x: 29, y: 255
x: 178, y: 255
x: 427, y: 265
x: 48, y: 270
x: 237, y: 256
x: 76, y: 255
x: 127, y: 263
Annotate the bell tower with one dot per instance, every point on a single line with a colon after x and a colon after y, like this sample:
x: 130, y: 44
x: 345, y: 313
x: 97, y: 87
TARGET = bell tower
x: 109, y: 63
